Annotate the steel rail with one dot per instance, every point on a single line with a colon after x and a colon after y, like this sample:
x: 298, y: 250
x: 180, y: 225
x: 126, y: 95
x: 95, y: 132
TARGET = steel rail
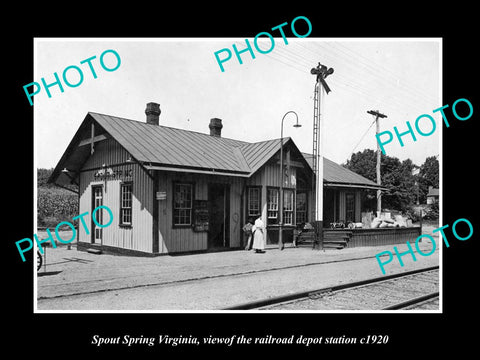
x: 304, y: 294
x: 413, y: 301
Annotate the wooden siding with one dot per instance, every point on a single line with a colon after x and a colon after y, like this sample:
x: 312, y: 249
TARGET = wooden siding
x: 236, y: 191
x: 171, y: 239
x: 358, y: 206
x: 106, y: 152
x: 339, y: 206
x: 269, y: 175
x: 137, y: 237
x: 177, y: 239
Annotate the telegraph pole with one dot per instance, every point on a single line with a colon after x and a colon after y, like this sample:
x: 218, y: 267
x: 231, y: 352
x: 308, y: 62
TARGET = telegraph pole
x: 378, y: 115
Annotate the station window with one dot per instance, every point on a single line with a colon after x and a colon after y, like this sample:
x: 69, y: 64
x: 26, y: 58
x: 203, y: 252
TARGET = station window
x: 272, y: 206
x: 126, y: 204
x: 254, y: 201
x: 182, y: 204
x: 301, y: 208
x: 288, y: 206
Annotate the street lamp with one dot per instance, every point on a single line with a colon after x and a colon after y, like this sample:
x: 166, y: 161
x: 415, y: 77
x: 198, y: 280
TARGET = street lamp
x: 280, y: 202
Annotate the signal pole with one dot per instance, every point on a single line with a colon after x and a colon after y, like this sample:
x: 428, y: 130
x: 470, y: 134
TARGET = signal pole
x: 321, y: 72
x: 378, y: 115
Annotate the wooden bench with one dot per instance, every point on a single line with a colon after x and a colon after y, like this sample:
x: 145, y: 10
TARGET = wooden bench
x: 332, y: 239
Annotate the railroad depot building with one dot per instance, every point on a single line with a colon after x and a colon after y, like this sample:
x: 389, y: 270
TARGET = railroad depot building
x: 173, y: 190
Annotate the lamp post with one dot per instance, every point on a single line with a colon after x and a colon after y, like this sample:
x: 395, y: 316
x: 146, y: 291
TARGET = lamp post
x: 280, y: 200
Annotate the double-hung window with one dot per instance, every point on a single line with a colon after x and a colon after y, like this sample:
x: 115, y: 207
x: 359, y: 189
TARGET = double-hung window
x: 272, y: 205
x: 288, y: 206
x: 182, y: 204
x: 253, y: 202
x: 301, y: 208
x: 126, y: 204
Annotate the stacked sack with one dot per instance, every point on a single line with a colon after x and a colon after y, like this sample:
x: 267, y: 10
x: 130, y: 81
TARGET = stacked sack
x: 385, y: 222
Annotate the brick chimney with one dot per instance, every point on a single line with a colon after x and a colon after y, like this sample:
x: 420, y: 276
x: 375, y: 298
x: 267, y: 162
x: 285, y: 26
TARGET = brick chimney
x: 215, y: 127
x: 153, y: 113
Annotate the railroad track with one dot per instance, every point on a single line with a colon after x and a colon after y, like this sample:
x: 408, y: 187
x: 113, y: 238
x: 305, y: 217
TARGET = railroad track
x: 126, y: 282
x: 416, y: 289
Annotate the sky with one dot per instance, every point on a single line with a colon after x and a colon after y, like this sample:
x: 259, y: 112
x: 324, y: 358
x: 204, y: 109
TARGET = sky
x: 401, y: 78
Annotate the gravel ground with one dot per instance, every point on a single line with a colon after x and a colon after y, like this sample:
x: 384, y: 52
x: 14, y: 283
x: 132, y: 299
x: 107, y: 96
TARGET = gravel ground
x: 370, y: 296
x: 202, y: 281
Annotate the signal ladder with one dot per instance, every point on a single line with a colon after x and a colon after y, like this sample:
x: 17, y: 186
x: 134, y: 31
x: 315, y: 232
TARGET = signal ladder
x: 316, y: 125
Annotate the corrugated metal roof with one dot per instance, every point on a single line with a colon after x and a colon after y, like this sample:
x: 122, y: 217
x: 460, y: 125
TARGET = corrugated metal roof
x: 256, y: 154
x: 336, y: 174
x: 158, y: 147
x: 169, y: 146
x: 332, y: 172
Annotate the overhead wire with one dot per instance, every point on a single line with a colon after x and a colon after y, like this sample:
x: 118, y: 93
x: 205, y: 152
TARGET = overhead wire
x: 360, y: 87
x: 347, y: 83
x: 349, y: 60
x: 300, y: 57
x: 365, y: 133
x: 415, y: 89
x: 390, y: 79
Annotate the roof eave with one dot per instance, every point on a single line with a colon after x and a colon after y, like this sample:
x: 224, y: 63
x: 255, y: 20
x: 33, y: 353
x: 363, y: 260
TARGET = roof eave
x: 355, y: 185
x: 58, y: 170
x: 197, y: 170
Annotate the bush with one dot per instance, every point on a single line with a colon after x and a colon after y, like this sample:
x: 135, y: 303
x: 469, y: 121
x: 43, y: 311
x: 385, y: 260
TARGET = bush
x: 412, y: 213
x: 432, y: 212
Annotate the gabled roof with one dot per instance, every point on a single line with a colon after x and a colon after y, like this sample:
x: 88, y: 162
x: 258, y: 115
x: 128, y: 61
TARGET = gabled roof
x: 257, y: 154
x: 162, y: 147
x: 168, y: 146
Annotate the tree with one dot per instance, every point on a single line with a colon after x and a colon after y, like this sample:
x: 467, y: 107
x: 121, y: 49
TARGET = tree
x: 429, y: 176
x: 400, y: 181
x: 395, y: 175
x: 363, y: 163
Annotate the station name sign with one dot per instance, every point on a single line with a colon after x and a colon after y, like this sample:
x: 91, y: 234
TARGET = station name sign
x: 111, y: 174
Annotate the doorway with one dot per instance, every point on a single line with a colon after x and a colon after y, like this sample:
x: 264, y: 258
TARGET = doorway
x: 97, y: 200
x: 219, y: 211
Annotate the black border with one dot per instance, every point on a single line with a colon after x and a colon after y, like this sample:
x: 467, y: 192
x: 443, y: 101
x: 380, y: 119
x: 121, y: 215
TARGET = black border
x: 419, y: 334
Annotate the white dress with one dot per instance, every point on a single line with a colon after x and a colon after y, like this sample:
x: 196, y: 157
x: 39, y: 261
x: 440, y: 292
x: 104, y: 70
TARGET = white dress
x: 259, y: 235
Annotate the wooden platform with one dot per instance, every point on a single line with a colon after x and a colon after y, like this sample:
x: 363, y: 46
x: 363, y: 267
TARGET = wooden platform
x: 342, y: 238
x: 384, y: 236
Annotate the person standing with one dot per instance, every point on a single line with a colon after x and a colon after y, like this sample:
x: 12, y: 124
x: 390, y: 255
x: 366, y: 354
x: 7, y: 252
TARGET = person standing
x: 247, y: 229
x: 258, y: 230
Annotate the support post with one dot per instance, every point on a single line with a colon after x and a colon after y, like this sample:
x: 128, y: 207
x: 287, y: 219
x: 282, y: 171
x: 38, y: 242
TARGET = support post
x: 319, y: 179
x: 321, y: 72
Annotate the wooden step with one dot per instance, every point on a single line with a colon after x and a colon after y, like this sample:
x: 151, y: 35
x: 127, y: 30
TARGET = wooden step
x: 333, y: 246
x: 94, y: 251
x: 335, y: 241
x: 337, y: 234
